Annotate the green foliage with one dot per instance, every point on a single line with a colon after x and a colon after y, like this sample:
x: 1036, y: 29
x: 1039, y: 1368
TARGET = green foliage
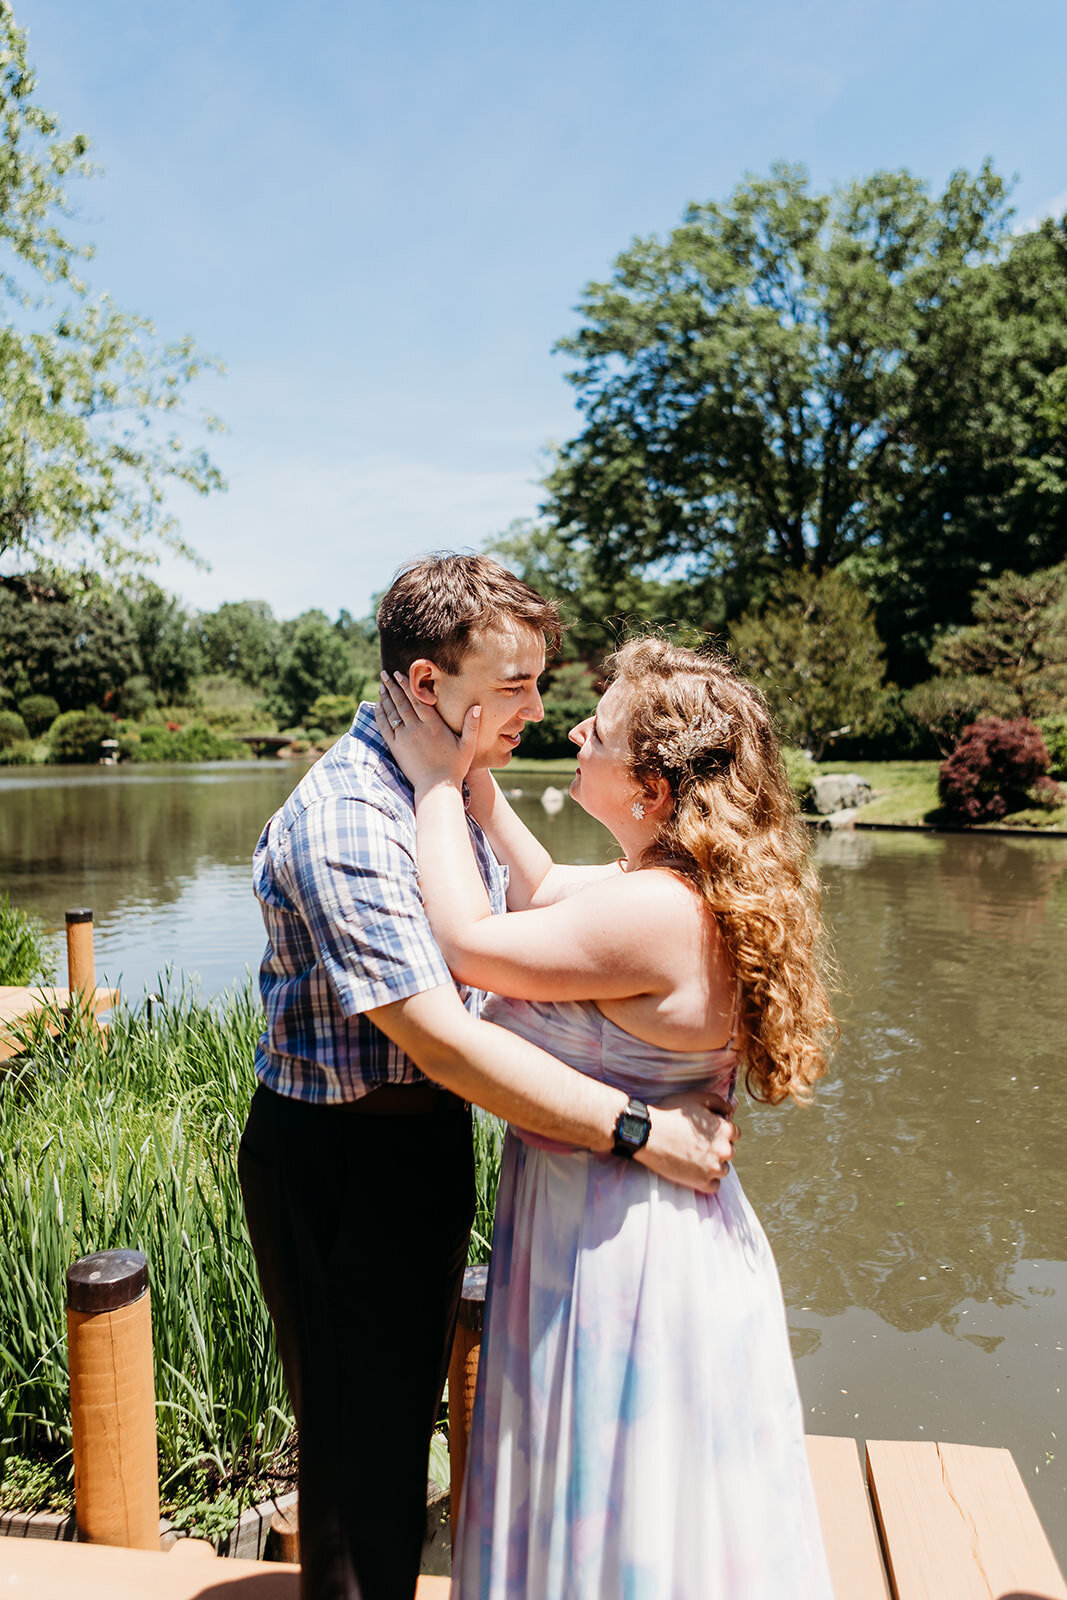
x: 1018, y: 640
x: 944, y: 706
x: 167, y: 642
x: 74, y: 645
x: 315, y: 660
x: 815, y: 653
x: 38, y: 711
x: 242, y: 640
x: 332, y: 713
x: 88, y: 399
x: 136, y: 697
x: 132, y: 1141
x: 28, y: 1483
x: 548, y: 740
x: 25, y: 951
x: 12, y: 729
x: 76, y: 736
x: 194, y: 743
x: 1054, y: 732
x: 800, y: 770
x: 792, y: 379
x: 488, y: 1151
x: 601, y: 601
x: 23, y: 753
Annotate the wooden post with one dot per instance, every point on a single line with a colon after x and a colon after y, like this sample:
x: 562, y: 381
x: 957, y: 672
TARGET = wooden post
x: 113, y: 1400
x: 462, y: 1378
x: 81, y: 963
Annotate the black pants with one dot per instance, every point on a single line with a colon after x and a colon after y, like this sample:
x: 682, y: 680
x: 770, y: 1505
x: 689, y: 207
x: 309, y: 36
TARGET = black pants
x: 359, y: 1226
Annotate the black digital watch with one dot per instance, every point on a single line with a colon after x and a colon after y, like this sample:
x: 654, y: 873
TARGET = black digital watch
x: 632, y: 1129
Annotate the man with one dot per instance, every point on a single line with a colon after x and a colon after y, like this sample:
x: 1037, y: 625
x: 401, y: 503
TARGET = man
x: 356, y: 1166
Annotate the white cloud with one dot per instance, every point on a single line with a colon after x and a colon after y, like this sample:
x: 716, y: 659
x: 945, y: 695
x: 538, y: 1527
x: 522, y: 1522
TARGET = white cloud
x: 1055, y: 207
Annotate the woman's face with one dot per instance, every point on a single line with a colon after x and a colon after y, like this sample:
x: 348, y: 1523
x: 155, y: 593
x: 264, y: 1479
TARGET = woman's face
x: 603, y: 784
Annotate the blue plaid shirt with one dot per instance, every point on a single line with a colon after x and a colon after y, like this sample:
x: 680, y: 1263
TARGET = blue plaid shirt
x: 335, y: 875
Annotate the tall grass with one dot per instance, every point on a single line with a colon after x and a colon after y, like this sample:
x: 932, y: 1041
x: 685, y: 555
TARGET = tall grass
x: 25, y: 949
x: 130, y: 1139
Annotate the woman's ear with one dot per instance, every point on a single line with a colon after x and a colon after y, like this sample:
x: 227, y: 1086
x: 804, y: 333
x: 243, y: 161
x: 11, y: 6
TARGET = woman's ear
x: 422, y: 681
x: 657, y: 797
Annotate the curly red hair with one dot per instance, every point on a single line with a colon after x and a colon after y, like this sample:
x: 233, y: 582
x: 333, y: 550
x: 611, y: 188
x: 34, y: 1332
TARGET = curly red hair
x: 734, y: 833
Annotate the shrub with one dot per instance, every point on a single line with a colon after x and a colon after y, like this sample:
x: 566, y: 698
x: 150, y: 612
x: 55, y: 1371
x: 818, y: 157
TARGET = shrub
x: 945, y: 706
x: 25, y: 956
x: 135, y: 697
x: 12, y: 729
x: 994, y: 769
x: 1054, y: 732
x: 23, y: 753
x: 799, y: 769
x: 332, y: 712
x: 194, y: 743
x: 39, y: 711
x: 76, y: 735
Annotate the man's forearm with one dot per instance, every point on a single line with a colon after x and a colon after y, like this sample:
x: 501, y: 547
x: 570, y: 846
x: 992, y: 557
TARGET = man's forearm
x: 501, y: 1072
x: 525, y: 1085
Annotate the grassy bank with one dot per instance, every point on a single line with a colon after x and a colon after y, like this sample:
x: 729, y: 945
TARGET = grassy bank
x: 905, y: 792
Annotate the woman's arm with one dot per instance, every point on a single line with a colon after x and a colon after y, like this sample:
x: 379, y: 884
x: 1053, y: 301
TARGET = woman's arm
x: 534, y: 879
x: 621, y: 937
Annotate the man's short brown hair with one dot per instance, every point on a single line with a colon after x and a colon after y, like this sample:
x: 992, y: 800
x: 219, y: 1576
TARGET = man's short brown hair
x: 434, y: 606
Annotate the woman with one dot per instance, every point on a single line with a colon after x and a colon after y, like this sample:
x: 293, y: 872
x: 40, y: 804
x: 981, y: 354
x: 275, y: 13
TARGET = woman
x: 637, y: 1431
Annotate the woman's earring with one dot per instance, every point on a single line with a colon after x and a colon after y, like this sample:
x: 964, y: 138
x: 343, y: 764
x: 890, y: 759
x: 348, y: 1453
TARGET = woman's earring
x: 637, y: 811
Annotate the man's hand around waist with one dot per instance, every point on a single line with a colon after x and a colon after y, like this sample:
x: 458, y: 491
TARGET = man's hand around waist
x: 692, y: 1140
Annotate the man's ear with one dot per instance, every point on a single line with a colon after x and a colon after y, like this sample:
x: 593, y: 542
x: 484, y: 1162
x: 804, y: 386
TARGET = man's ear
x: 422, y: 681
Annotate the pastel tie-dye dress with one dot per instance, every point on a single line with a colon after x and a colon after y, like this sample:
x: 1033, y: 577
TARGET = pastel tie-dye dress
x: 637, y: 1433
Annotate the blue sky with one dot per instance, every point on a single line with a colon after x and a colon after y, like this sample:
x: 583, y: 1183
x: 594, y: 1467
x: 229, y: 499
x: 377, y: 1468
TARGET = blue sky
x: 381, y: 215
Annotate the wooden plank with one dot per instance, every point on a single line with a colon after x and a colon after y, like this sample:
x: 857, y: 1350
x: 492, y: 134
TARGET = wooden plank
x: 27, y: 1007
x: 848, y: 1530
x: 956, y: 1520
x: 48, y: 1571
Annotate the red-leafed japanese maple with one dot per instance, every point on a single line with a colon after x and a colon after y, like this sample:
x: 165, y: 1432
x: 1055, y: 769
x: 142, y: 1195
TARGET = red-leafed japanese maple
x: 998, y: 766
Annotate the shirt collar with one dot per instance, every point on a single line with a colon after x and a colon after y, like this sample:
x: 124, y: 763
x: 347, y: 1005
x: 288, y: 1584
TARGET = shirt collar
x: 365, y: 729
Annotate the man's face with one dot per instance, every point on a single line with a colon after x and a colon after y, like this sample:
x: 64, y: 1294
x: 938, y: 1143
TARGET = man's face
x: 499, y: 673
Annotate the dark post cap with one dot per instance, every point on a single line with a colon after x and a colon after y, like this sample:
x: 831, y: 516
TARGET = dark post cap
x: 106, y: 1281
x: 472, y: 1304
x: 80, y: 914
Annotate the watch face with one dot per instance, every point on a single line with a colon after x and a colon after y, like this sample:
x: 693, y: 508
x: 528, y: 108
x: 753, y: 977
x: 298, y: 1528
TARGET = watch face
x: 631, y: 1128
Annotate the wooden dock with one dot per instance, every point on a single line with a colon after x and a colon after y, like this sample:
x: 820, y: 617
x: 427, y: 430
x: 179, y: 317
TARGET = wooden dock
x: 26, y: 1012
x: 925, y: 1522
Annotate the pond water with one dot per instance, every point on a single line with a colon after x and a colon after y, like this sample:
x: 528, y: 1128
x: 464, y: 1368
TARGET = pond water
x: 918, y: 1210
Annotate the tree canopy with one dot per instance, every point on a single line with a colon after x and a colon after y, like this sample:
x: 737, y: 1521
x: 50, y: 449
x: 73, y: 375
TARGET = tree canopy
x: 794, y: 380
x: 92, y: 431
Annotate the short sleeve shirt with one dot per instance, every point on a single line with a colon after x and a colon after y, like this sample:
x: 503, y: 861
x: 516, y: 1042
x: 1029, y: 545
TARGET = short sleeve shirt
x: 336, y: 878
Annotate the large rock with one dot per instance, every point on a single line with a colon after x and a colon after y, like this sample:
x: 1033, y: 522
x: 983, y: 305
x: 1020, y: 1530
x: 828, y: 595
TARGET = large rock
x: 839, y: 791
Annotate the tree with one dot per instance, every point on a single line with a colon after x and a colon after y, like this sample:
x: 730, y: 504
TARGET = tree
x: 166, y: 641
x: 1018, y: 639
x: 598, y: 609
x: 315, y: 661
x: 89, y: 400
x: 792, y: 380
x: 814, y: 651
x: 77, y: 646
x: 241, y: 639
